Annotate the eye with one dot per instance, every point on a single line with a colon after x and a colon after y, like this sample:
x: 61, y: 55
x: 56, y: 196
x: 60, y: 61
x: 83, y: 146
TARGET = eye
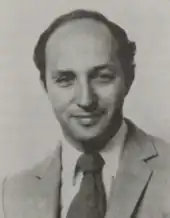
x: 65, y: 78
x: 104, y: 76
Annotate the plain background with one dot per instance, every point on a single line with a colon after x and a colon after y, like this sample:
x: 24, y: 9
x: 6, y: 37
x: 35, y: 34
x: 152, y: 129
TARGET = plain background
x: 28, y: 129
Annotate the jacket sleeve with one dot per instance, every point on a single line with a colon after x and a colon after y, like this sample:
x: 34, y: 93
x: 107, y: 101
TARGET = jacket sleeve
x: 2, y: 184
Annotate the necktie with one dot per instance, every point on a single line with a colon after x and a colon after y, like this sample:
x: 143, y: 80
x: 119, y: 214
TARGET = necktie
x: 90, y: 201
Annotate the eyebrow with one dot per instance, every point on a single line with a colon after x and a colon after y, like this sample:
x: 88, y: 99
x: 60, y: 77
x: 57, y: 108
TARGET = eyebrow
x: 103, y: 66
x: 61, y: 71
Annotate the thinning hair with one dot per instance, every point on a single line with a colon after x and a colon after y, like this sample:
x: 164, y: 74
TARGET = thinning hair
x: 126, y: 48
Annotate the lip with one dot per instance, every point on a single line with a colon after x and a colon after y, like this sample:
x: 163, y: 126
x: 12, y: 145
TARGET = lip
x: 88, y: 115
x: 88, y: 119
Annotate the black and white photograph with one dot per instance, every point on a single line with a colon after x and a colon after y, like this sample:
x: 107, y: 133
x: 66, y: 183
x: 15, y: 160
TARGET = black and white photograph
x: 84, y: 114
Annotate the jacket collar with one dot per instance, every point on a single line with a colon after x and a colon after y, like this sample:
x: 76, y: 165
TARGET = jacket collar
x: 139, y: 144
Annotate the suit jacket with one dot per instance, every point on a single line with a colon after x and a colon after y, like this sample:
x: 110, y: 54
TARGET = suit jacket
x: 141, y: 188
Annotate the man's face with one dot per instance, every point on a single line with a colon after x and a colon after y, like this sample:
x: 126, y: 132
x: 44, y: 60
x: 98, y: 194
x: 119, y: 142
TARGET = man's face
x: 85, y: 82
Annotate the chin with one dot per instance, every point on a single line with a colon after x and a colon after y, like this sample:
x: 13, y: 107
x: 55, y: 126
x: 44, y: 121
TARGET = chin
x: 85, y: 135
x: 84, y: 138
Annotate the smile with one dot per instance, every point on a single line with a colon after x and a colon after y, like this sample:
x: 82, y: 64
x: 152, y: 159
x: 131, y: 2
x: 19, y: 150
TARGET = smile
x: 88, y: 120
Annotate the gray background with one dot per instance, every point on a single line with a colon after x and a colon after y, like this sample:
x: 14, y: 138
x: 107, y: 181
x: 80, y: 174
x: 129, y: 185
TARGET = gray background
x: 28, y: 130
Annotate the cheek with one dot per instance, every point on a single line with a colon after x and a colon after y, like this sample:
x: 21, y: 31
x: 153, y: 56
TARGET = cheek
x: 60, y: 98
x: 111, y: 93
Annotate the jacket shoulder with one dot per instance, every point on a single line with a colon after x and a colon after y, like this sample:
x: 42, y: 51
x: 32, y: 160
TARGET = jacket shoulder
x: 19, y: 189
x: 162, y: 146
x: 145, y: 141
x: 22, y: 183
x: 24, y: 189
x: 162, y: 162
x: 141, y: 135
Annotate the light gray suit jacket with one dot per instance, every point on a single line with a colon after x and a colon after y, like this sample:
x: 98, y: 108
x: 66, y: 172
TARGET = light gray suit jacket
x: 141, y: 188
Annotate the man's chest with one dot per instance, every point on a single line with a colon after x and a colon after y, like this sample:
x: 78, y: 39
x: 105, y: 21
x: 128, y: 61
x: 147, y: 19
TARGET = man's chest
x: 42, y: 199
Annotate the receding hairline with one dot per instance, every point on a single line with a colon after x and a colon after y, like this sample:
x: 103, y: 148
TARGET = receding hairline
x: 69, y: 27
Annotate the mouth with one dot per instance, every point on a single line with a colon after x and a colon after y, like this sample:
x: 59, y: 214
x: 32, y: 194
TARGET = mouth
x: 88, y: 120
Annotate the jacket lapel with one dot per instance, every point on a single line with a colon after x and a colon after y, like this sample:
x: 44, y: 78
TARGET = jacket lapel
x: 133, y: 175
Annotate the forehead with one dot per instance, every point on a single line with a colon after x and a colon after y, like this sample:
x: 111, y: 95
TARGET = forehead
x: 85, y: 39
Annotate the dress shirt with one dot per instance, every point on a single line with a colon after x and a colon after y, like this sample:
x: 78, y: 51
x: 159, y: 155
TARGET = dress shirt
x: 111, y: 155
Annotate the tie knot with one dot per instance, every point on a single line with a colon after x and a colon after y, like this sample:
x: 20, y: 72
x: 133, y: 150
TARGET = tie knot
x: 90, y: 162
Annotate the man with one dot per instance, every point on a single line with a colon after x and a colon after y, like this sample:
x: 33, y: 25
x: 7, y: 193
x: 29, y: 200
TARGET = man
x: 103, y: 166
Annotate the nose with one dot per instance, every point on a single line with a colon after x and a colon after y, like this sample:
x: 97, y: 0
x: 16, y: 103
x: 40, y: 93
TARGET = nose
x: 86, y: 97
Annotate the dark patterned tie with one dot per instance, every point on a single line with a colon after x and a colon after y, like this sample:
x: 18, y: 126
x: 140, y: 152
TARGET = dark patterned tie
x: 90, y: 201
